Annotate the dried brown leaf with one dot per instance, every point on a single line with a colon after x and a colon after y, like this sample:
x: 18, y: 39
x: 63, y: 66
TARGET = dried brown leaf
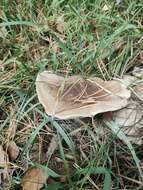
x: 4, y: 161
x: 52, y: 147
x: 130, y: 119
x: 60, y: 24
x: 134, y: 133
x: 138, y: 72
x: 55, y: 47
x: 139, y: 90
x: 74, y: 96
x: 128, y: 80
x: 12, y: 127
x: 13, y: 150
x: 128, y: 116
x: 34, y: 179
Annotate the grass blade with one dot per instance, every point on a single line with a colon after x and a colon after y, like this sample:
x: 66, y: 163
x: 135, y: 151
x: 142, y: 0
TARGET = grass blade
x: 113, y: 126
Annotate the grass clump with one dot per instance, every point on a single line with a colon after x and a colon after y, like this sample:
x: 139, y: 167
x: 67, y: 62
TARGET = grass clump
x: 100, y: 38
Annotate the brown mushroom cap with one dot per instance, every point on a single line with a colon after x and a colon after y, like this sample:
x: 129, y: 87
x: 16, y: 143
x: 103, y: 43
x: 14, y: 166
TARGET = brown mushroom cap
x: 73, y: 96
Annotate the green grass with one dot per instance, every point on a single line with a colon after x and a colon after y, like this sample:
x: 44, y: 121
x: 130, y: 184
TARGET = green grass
x: 98, y: 42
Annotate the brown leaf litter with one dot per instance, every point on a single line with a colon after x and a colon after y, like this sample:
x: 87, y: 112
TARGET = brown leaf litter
x: 11, y: 147
x: 138, y: 72
x: 13, y: 150
x: 11, y: 131
x: 130, y: 118
x: 60, y: 24
x: 34, y: 179
x: 4, y: 164
x: 73, y: 96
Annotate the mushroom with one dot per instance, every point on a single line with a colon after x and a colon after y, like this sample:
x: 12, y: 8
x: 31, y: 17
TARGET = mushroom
x: 73, y: 96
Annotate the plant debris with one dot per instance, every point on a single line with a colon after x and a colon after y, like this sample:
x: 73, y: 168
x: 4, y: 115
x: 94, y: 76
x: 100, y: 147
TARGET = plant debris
x: 4, y: 162
x: 138, y: 72
x: 138, y: 89
x: 34, y: 179
x: 13, y: 150
x: 60, y: 24
x: 128, y: 116
x: 73, y: 97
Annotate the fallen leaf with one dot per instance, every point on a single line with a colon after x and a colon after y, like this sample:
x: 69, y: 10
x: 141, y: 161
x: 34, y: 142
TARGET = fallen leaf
x: 55, y: 47
x: 134, y: 133
x: 128, y: 116
x: 52, y: 147
x: 130, y: 120
x: 11, y: 131
x: 128, y: 80
x: 138, y: 72
x: 4, y: 161
x: 139, y: 90
x: 135, y: 83
x: 71, y: 97
x: 13, y: 150
x: 60, y: 24
x: 34, y: 179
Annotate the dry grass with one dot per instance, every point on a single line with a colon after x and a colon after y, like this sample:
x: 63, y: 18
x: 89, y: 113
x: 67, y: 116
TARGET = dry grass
x: 94, y: 41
